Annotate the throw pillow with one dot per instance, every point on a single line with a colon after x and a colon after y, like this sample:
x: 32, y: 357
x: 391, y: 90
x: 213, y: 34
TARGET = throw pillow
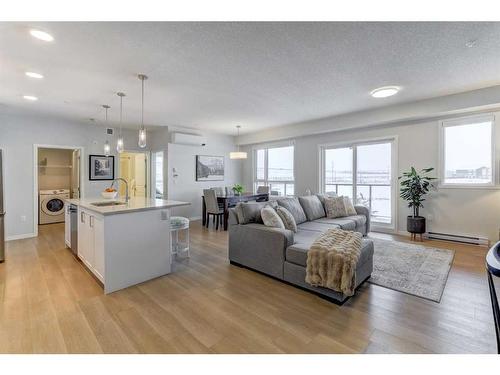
x: 312, y: 207
x: 249, y: 212
x: 349, y: 207
x: 335, y: 207
x: 287, y: 218
x: 293, y: 205
x: 271, y: 218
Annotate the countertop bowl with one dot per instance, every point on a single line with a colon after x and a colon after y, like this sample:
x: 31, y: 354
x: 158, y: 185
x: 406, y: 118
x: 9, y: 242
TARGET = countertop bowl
x: 109, y: 195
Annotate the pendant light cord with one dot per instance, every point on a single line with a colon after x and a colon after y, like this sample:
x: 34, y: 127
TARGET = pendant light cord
x: 121, y: 110
x: 142, y: 103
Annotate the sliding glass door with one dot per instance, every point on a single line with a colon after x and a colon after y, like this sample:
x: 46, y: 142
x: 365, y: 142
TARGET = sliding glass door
x: 363, y: 171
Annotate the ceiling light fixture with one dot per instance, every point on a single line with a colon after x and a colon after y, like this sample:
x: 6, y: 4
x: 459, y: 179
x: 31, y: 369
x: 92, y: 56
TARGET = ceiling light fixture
x: 34, y: 75
x: 142, y: 130
x: 30, y: 97
x: 238, y: 154
x: 107, y: 147
x: 119, y: 142
x: 42, y: 35
x: 385, y: 92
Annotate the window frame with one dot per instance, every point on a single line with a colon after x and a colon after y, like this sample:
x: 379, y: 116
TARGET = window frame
x: 394, y: 141
x: 468, y: 120
x: 265, y: 181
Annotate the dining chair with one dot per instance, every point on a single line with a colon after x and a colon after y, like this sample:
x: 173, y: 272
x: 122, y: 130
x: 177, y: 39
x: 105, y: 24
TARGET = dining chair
x: 263, y: 189
x: 212, y: 208
x: 219, y: 191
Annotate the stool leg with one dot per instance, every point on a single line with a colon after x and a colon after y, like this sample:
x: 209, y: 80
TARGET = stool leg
x: 216, y: 225
x: 187, y: 243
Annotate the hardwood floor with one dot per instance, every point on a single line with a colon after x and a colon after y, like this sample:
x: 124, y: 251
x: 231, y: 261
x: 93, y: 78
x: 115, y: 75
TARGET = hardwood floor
x: 50, y: 304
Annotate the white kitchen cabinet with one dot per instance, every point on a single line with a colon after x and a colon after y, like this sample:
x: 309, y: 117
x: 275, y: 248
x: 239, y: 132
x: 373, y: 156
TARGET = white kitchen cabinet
x: 67, y: 225
x: 91, y: 242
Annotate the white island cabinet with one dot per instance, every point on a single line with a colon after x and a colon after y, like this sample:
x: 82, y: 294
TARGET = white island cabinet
x: 125, y: 244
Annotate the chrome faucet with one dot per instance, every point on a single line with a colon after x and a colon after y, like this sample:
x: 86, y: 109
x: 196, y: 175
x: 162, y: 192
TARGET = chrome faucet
x: 127, y: 197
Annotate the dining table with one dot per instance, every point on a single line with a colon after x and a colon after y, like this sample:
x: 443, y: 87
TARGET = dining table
x: 228, y: 201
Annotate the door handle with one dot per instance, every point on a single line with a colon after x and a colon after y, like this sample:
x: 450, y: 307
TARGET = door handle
x: 91, y: 223
x: 82, y: 217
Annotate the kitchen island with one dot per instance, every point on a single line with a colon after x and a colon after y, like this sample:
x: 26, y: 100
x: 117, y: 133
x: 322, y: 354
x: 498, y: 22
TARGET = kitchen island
x: 124, y: 243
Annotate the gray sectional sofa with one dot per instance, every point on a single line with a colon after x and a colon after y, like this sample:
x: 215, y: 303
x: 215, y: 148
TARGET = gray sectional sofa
x: 281, y: 253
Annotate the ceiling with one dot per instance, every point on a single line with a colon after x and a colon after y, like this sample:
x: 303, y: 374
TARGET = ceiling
x: 213, y: 76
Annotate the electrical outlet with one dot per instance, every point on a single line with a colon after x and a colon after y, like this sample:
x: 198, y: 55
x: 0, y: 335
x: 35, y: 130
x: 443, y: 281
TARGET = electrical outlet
x: 23, y: 218
x: 430, y: 217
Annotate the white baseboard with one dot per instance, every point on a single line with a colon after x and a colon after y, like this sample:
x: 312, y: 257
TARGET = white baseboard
x: 194, y: 218
x: 20, y: 236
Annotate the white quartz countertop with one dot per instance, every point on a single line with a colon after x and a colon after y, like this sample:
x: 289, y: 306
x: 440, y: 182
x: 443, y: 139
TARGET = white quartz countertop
x: 133, y: 205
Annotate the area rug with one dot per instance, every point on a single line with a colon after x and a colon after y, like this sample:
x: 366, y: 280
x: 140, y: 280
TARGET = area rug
x: 413, y: 269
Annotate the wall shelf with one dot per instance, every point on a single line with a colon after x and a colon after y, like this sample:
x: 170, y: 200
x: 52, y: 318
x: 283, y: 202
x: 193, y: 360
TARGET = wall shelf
x: 55, y: 166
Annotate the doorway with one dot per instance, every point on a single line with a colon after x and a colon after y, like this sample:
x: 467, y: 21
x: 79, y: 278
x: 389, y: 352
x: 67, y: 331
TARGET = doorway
x: 57, y: 176
x: 134, y: 168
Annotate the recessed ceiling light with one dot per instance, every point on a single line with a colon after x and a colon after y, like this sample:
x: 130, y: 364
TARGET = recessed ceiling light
x: 384, y: 92
x: 42, y: 35
x: 30, y: 97
x: 34, y: 75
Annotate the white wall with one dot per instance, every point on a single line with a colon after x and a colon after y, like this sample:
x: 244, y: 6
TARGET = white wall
x: 185, y: 187
x: 459, y: 211
x: 18, y: 134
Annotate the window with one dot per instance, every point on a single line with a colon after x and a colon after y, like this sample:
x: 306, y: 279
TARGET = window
x: 158, y: 184
x: 363, y: 171
x: 274, y: 168
x: 467, y: 152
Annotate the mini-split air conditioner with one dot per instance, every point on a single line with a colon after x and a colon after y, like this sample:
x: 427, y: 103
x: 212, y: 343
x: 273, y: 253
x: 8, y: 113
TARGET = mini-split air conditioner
x: 188, y: 139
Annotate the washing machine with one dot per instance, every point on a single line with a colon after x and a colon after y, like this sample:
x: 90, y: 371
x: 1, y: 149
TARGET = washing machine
x: 52, y: 206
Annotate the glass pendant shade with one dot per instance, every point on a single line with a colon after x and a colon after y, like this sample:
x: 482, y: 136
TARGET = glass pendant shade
x: 107, y: 148
x: 237, y: 155
x: 142, y: 138
x: 119, y: 145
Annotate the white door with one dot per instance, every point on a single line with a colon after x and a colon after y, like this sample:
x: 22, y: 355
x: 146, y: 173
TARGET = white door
x: 75, y: 175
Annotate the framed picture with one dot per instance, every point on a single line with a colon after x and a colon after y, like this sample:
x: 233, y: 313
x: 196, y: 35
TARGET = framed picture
x: 209, y: 168
x: 101, y: 167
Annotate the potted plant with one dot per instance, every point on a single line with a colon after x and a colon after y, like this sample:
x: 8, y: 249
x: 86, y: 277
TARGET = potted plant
x: 237, y: 189
x: 414, y: 187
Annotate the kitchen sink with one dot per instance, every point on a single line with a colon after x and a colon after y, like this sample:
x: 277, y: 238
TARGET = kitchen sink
x: 106, y: 204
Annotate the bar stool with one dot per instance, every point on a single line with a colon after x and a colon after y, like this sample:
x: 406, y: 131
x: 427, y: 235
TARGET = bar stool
x: 493, y: 267
x: 177, y: 224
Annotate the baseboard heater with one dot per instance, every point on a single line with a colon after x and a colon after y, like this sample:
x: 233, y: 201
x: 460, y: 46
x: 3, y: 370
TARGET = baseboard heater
x: 480, y: 241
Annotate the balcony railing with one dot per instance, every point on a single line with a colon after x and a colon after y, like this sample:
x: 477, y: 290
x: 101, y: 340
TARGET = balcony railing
x: 377, y: 197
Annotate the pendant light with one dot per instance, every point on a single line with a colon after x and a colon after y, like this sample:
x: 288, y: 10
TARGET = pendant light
x: 119, y: 142
x: 107, y: 147
x: 238, y: 154
x: 142, y: 130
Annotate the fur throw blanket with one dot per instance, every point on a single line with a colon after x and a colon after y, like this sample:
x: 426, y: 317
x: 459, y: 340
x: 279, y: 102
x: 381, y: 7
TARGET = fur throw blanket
x: 332, y: 260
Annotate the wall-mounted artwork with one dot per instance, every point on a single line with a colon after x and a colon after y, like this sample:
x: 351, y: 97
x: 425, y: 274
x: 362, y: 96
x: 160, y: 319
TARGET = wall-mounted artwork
x: 101, y: 167
x: 209, y: 168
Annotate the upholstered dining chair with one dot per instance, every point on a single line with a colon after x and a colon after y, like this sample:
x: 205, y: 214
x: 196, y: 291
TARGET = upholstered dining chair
x: 213, y: 208
x: 219, y: 191
x: 263, y: 189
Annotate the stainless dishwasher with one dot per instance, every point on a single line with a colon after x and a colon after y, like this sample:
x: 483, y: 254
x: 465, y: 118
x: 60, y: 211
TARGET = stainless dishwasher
x: 73, y: 212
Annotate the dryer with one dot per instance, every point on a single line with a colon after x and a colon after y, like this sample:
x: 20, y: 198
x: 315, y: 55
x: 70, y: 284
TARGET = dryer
x: 52, y: 206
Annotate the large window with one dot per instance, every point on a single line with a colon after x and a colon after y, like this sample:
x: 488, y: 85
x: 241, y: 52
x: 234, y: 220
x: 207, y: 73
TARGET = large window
x: 363, y: 171
x: 274, y: 168
x: 467, y: 152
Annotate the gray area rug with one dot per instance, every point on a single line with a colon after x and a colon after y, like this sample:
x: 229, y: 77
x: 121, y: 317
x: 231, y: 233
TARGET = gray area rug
x: 409, y: 268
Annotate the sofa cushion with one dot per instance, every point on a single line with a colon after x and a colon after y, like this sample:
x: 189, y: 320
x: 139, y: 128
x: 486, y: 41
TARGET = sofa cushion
x: 293, y: 205
x: 249, y: 212
x: 297, y: 253
x: 313, y: 207
x: 347, y: 223
x: 287, y: 218
x: 316, y: 226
